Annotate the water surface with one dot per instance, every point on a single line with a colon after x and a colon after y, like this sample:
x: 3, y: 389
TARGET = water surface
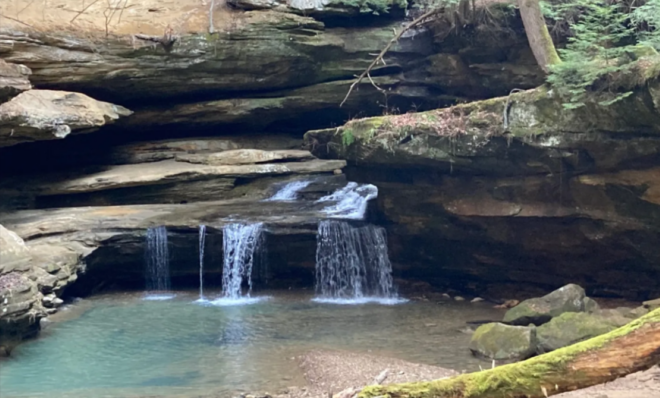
x: 120, y: 345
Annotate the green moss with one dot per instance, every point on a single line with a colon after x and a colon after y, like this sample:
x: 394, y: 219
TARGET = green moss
x: 523, y: 378
x: 347, y: 137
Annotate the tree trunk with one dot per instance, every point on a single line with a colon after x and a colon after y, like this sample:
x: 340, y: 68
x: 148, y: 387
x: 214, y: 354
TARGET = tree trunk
x: 632, y: 348
x: 537, y: 34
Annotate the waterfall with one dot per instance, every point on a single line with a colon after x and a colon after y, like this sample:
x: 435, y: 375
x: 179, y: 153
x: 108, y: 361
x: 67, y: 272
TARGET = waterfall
x: 289, y: 191
x: 202, y: 239
x: 241, y: 243
x: 350, y: 201
x: 157, y: 263
x: 352, y: 264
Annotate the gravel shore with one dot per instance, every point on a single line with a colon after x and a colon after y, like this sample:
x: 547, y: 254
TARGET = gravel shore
x: 330, y: 372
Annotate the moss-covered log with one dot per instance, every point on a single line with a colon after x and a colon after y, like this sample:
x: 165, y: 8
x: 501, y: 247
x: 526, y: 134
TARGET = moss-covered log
x: 632, y: 348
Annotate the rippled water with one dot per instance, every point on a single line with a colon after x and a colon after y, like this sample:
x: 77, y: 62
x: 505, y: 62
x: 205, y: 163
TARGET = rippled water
x: 123, y: 346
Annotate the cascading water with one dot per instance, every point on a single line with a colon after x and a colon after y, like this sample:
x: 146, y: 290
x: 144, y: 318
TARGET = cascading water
x: 352, y: 265
x: 290, y: 191
x: 202, y: 239
x: 241, y: 243
x: 157, y: 264
x: 350, y: 201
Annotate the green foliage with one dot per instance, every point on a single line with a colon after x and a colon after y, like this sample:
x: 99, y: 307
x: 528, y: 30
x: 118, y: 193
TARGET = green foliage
x: 596, y: 52
x: 647, y: 19
x: 347, y: 137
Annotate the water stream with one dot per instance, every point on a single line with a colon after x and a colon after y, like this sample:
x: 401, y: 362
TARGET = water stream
x: 290, y: 191
x: 350, y: 201
x: 352, y: 264
x: 202, y: 239
x: 157, y: 260
x: 241, y: 244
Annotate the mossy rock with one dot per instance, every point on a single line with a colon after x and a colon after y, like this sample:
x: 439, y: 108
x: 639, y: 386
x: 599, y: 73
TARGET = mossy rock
x: 570, y: 298
x: 503, y: 342
x: 570, y: 328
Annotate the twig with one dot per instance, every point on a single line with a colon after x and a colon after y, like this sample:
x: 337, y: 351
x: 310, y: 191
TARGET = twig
x: 374, y: 84
x: 24, y: 8
x: 83, y: 10
x: 17, y: 20
x: 387, y: 47
x: 211, y: 28
x: 122, y: 11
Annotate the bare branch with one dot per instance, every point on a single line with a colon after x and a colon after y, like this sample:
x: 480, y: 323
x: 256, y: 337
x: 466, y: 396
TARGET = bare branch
x: 211, y: 28
x: 17, y: 20
x: 379, y: 58
x: 24, y: 8
x: 83, y: 10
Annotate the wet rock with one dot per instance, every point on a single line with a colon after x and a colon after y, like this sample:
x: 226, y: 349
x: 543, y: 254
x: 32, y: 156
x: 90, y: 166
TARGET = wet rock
x: 13, y: 80
x: 459, y: 298
x: 504, y: 342
x: 51, y: 301
x: 45, y: 115
x: 20, y: 309
x: 570, y: 298
x: 570, y: 328
x: 476, y: 300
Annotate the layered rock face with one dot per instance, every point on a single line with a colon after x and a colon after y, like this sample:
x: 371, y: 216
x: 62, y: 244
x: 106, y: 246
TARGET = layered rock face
x: 262, y: 67
x: 537, y: 198
x: 196, y: 116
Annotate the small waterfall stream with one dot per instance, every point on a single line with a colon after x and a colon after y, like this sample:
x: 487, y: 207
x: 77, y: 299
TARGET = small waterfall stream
x: 289, y: 191
x: 241, y: 243
x: 350, y: 201
x: 157, y: 264
x: 352, y: 264
x: 202, y: 240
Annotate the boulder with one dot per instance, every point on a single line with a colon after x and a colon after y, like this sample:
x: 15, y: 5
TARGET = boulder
x: 570, y: 328
x: 652, y: 304
x: 504, y: 342
x: 24, y: 279
x: 13, y: 80
x: 570, y: 298
x: 45, y: 115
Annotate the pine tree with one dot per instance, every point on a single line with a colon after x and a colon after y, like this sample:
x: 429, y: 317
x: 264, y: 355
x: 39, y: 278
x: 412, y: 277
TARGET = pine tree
x: 594, y: 55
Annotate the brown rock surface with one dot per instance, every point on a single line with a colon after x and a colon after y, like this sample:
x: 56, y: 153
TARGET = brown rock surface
x: 13, y: 80
x: 557, y: 197
x: 45, y: 115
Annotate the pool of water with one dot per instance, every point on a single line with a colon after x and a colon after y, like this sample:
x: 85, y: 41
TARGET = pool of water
x: 121, y: 345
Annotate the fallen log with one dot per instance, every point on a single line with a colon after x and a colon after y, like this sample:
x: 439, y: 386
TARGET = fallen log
x: 632, y: 348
